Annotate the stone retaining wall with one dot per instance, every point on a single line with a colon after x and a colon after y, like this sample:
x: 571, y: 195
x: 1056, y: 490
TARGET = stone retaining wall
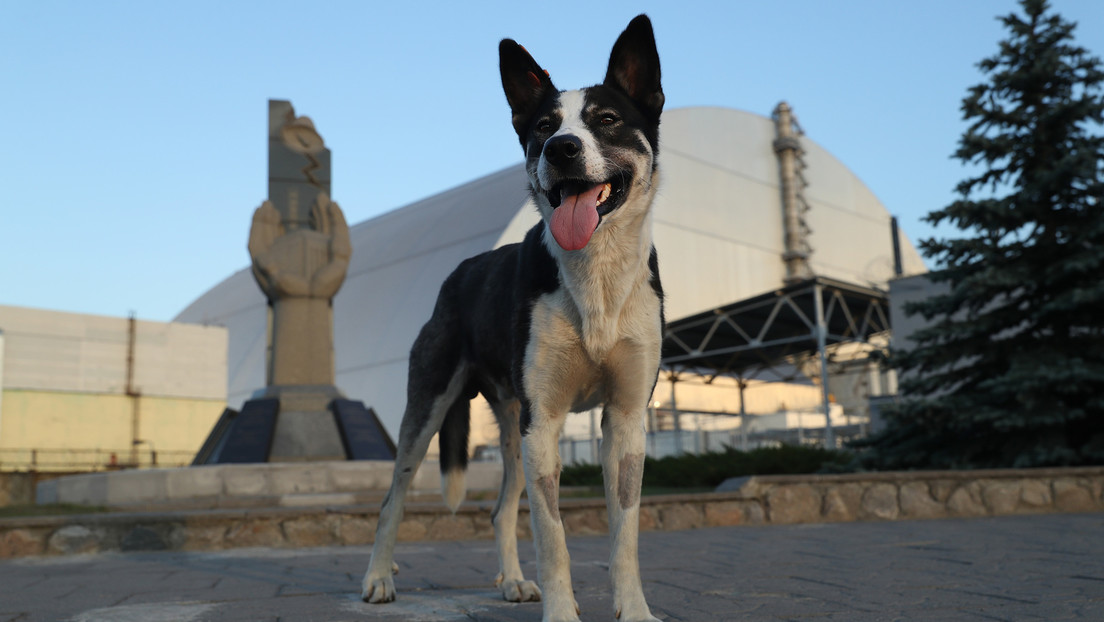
x: 747, y: 501
x: 213, y: 485
x: 920, y: 494
x: 17, y: 488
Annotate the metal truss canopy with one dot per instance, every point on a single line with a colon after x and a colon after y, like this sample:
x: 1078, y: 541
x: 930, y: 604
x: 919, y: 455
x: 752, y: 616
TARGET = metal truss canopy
x: 765, y: 331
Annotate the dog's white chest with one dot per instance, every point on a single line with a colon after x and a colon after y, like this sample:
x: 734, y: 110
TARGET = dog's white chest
x: 608, y: 296
x: 568, y: 347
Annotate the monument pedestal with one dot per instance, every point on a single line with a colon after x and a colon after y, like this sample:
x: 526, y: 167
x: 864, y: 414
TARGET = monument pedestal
x: 306, y: 423
x: 306, y: 428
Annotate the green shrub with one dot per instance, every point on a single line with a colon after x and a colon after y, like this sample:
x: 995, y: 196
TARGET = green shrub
x: 581, y: 475
x: 709, y: 470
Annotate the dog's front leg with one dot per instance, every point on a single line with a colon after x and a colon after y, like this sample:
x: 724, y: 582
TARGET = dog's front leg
x: 622, y: 471
x: 541, y: 454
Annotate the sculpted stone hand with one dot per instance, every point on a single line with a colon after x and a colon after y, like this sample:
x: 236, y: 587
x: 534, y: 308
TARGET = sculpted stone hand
x: 300, y: 270
x: 266, y: 229
x: 326, y: 217
x: 301, y: 263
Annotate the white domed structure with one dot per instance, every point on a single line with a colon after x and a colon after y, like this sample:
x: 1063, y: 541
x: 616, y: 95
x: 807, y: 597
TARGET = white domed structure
x: 718, y: 228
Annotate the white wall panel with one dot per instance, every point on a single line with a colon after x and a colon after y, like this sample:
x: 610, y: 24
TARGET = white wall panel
x: 57, y: 351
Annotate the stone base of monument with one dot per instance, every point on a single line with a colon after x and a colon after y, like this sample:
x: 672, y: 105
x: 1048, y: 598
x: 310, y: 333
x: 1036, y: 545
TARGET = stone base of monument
x: 345, y: 482
x: 304, y: 423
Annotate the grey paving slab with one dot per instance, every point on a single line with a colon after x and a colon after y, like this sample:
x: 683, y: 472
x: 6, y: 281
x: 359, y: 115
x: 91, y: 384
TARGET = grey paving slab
x: 1047, y: 567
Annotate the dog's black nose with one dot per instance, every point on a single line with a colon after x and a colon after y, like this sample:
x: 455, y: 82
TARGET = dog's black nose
x: 562, y: 149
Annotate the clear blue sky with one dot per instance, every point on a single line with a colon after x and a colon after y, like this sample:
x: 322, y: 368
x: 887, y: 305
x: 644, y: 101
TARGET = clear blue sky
x: 139, y: 128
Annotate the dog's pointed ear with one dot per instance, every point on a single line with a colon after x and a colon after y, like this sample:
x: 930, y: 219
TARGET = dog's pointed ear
x: 524, y: 82
x: 634, y: 66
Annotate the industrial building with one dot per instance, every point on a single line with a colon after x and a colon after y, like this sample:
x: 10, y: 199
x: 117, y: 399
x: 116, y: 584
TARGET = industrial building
x: 89, y: 392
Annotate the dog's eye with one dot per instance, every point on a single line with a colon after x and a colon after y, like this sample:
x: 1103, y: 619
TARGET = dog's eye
x: 544, y: 126
x: 607, y: 119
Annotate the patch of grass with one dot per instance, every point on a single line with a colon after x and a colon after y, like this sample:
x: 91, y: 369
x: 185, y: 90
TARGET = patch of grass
x: 49, y: 509
x: 705, y: 471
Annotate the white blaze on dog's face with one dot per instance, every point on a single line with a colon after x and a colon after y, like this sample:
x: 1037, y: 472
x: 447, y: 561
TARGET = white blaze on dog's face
x: 587, y: 151
x: 585, y: 156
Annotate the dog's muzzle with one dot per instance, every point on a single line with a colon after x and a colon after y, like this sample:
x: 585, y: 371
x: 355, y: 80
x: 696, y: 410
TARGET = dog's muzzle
x: 563, y: 151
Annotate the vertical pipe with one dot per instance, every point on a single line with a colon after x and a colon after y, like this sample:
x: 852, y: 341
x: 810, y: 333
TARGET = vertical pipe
x: 675, y: 416
x: 697, y: 434
x: 652, y: 428
x: 593, y: 438
x: 743, y: 417
x: 822, y: 355
x: 895, y: 232
x: 875, y: 382
x: 1, y: 379
x: 132, y: 393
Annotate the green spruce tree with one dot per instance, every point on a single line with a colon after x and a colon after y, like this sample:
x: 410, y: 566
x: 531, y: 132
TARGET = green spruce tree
x: 1010, y: 370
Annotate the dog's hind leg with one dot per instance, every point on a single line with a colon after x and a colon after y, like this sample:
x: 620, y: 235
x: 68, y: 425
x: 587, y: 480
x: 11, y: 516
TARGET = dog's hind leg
x: 504, y: 516
x: 622, y: 470
x: 378, y: 585
x: 437, y: 379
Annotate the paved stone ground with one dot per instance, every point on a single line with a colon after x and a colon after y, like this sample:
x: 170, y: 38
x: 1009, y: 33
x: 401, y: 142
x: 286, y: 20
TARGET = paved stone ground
x: 1044, y: 567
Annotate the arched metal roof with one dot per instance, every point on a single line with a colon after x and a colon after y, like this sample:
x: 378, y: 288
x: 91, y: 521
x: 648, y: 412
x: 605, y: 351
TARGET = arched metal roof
x: 717, y: 228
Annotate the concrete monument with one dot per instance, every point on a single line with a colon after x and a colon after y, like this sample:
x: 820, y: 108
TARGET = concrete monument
x: 299, y: 244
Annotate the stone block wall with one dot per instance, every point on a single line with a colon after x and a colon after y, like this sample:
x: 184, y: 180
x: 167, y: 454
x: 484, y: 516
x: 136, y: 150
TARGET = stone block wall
x: 17, y: 488
x: 921, y: 494
x: 747, y: 501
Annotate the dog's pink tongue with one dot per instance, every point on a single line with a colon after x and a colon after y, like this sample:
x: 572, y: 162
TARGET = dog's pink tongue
x: 574, y: 221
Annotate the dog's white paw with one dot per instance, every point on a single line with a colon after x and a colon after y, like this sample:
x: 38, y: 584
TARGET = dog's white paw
x: 569, y: 613
x: 640, y: 617
x: 519, y: 591
x: 638, y: 612
x: 378, y: 589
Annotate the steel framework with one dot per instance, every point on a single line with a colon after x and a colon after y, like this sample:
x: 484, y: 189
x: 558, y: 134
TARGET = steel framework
x: 767, y: 333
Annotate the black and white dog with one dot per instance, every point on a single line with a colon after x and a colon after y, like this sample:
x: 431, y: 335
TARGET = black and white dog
x: 567, y: 319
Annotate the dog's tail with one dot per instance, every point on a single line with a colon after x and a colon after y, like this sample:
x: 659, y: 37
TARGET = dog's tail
x: 453, y: 444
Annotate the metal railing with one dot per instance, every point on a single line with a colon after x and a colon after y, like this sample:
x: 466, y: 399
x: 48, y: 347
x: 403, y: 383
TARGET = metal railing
x: 665, y: 443
x: 85, y: 459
